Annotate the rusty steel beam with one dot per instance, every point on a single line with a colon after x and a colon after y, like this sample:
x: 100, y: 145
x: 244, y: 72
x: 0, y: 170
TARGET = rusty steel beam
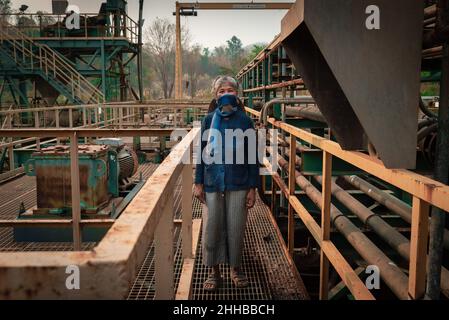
x: 388, y: 233
x: 182, y: 104
x: 433, y: 192
x: 418, y: 252
x: 86, y: 132
x: 333, y: 49
x: 75, y: 191
x: 184, y: 291
x: 235, y: 6
x: 296, y: 82
x: 325, y: 220
x: 54, y: 223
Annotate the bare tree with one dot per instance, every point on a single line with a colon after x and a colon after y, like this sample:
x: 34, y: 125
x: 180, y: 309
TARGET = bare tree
x: 159, y: 43
x: 160, y: 38
x: 193, y: 68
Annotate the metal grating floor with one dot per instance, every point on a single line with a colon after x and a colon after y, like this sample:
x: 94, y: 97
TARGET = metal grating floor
x: 23, y: 189
x: 264, y: 262
x: 144, y: 284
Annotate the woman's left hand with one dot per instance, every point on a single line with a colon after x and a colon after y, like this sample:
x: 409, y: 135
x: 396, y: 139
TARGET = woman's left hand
x: 251, y: 198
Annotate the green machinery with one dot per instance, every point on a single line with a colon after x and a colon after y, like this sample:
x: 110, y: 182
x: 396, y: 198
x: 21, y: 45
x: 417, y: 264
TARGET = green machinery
x: 104, y: 49
x: 106, y: 187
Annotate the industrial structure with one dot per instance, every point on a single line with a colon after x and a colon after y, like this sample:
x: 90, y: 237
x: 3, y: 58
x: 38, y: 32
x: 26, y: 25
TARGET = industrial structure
x: 358, y: 185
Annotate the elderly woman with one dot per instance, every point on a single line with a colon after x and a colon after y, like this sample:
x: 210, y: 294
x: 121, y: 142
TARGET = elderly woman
x: 227, y: 189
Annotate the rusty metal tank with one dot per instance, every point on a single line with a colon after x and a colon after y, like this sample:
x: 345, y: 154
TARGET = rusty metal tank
x: 51, y: 166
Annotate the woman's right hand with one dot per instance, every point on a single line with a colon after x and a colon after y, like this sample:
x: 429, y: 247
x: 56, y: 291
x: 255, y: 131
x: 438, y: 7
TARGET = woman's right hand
x: 198, y: 192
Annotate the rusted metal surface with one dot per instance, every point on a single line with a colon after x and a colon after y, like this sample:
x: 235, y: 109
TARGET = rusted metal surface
x: 387, y: 200
x: 84, y: 132
x: 23, y: 190
x: 347, y: 274
x: 234, y: 6
x: 325, y: 220
x: 431, y: 191
x: 418, y: 255
x: 284, y: 84
x: 424, y: 188
x: 392, y: 274
x: 266, y: 261
x: 56, y: 223
x: 272, y: 275
x: 52, y: 170
x: 328, y: 46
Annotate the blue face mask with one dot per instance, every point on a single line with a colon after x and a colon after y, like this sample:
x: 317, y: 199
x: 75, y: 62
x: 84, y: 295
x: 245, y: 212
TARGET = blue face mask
x: 228, y: 100
x: 227, y: 106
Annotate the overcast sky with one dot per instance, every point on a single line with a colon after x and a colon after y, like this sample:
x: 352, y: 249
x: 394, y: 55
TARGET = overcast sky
x: 209, y: 28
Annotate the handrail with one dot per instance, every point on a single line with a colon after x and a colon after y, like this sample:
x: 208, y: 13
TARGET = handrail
x: 424, y: 191
x: 127, y: 24
x: 108, y: 105
x: 118, y: 255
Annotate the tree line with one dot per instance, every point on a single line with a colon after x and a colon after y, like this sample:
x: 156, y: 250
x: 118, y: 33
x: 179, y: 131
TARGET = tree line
x: 200, y: 64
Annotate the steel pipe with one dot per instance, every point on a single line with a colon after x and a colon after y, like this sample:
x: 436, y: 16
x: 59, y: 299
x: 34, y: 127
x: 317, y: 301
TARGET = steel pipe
x: 396, y: 280
x: 426, y: 110
x: 308, y: 112
x: 394, y: 204
x: 264, y: 112
x: 389, y: 234
x: 425, y: 131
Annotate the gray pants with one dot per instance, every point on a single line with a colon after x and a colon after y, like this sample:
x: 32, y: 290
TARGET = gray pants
x: 224, y: 227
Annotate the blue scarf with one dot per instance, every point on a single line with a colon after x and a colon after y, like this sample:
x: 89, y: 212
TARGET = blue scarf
x: 227, y: 99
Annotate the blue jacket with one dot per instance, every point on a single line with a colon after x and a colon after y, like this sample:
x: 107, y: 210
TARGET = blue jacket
x: 227, y: 177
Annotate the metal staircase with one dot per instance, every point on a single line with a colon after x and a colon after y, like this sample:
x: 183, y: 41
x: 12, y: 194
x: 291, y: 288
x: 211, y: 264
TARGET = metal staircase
x: 39, y: 59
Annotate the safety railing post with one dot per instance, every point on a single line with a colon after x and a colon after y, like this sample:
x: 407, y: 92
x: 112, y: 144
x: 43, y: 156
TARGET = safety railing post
x: 75, y: 185
x: 291, y: 191
x: 186, y: 230
x: 57, y: 123
x: 325, y: 223
x: 36, y: 125
x: 164, y: 271
x: 418, y: 248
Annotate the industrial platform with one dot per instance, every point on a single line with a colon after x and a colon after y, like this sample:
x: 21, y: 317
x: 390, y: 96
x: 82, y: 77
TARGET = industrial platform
x: 270, y: 271
x: 350, y: 125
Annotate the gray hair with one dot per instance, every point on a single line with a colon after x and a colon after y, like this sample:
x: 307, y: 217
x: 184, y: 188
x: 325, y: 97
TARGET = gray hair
x: 220, y: 81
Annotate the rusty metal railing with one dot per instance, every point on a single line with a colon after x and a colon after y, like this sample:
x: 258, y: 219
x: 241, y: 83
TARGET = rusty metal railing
x: 49, y: 26
x: 167, y: 113
x: 107, y: 270
x: 424, y: 191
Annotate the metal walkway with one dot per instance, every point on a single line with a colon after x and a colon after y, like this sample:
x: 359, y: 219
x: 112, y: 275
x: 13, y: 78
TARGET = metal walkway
x: 23, y: 189
x: 270, y: 272
x: 265, y: 261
